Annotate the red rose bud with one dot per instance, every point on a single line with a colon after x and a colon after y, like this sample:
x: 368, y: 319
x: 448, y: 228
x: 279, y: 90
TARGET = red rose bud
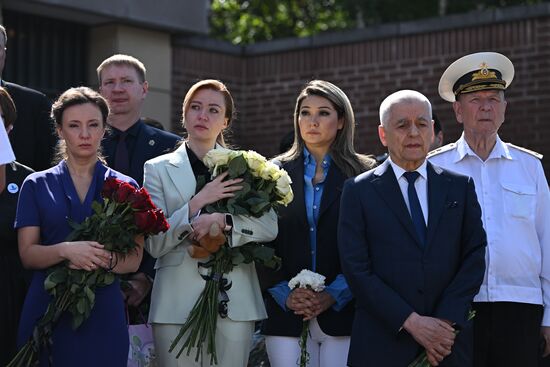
x: 110, y: 186
x: 161, y: 224
x: 140, y: 200
x: 145, y: 221
x: 124, y: 190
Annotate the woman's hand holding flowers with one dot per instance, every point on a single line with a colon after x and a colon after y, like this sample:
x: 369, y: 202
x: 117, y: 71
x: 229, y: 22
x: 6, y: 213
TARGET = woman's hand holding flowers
x: 86, y: 255
x: 308, y: 303
x: 201, y: 225
x: 213, y: 191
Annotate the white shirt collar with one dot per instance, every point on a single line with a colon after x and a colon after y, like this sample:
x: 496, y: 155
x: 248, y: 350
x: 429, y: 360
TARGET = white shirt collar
x: 400, y: 171
x: 500, y: 150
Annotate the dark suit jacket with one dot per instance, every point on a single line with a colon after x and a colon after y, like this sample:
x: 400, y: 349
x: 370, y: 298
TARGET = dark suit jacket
x: 391, y: 274
x: 292, y: 245
x: 151, y: 142
x: 33, y: 137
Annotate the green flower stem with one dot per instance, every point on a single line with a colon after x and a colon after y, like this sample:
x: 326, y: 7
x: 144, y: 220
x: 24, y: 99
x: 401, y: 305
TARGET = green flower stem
x: 304, y: 355
x: 202, y: 320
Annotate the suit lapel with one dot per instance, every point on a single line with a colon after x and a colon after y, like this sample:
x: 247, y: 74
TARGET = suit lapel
x: 295, y: 170
x: 388, y: 188
x: 438, y: 186
x: 180, y: 172
x: 333, y: 187
x: 145, y: 147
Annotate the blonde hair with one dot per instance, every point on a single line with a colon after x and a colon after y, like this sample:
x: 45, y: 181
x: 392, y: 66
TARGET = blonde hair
x: 217, y: 86
x: 126, y: 60
x: 342, y: 149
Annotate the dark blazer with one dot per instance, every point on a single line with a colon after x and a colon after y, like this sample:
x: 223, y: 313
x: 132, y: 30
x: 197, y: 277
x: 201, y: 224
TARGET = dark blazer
x: 151, y: 142
x: 391, y: 274
x: 33, y: 137
x: 292, y: 245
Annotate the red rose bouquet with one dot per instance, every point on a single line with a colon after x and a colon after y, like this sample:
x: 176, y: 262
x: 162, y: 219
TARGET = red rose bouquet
x: 126, y: 212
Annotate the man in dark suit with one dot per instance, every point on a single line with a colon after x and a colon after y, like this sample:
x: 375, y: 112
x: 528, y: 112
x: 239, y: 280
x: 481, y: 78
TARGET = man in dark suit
x: 131, y: 142
x: 413, y: 255
x: 32, y: 138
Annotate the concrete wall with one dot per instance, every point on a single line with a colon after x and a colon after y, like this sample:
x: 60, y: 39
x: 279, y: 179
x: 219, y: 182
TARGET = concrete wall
x: 372, y: 63
x: 153, y: 48
x: 188, y: 16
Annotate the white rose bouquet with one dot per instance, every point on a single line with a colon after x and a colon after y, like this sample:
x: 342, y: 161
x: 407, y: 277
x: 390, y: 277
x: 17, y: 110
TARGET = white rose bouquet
x: 265, y: 186
x: 306, y: 279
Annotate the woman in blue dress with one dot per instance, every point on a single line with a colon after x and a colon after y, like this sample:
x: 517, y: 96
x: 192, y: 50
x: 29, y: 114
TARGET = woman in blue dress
x: 48, y: 200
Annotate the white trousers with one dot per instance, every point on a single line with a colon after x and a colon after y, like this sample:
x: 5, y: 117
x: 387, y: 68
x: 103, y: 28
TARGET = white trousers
x: 324, y: 350
x: 233, y: 341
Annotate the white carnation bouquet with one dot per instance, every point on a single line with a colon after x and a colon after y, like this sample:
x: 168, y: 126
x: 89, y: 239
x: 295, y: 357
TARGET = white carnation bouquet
x: 265, y: 186
x: 306, y: 279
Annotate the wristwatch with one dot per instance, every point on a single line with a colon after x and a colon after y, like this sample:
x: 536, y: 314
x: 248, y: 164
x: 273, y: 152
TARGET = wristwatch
x: 228, y: 223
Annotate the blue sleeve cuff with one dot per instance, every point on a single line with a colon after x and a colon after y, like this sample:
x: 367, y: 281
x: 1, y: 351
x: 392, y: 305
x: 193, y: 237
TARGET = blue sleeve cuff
x: 340, y: 291
x: 280, y: 293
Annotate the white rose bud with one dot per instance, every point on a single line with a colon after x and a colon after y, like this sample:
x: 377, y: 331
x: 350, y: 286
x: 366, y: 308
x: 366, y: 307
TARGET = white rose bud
x: 217, y: 157
x: 255, y: 161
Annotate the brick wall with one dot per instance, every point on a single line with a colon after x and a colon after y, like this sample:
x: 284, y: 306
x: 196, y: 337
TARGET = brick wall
x: 265, y: 83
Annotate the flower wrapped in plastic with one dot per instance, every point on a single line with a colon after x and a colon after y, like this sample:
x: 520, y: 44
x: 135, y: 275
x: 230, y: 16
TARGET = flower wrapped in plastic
x: 125, y: 213
x: 306, y: 279
x: 265, y: 186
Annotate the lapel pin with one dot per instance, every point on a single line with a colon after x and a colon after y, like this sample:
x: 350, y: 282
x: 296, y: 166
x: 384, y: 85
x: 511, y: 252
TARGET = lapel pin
x: 13, y: 188
x: 151, y: 142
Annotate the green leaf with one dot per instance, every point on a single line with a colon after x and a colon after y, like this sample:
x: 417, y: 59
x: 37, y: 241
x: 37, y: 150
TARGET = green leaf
x: 80, y: 305
x: 237, y: 166
x: 237, y: 258
x: 109, y: 278
x: 77, y: 321
x: 89, y: 294
x: 96, y: 207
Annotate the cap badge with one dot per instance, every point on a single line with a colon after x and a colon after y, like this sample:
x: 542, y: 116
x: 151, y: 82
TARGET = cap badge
x: 484, y: 73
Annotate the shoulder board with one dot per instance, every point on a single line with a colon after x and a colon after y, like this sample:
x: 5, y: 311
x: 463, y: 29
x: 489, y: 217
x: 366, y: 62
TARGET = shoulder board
x: 531, y: 152
x: 442, y: 149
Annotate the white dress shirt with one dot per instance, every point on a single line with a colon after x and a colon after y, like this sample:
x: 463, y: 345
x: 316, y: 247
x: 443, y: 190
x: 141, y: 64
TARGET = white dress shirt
x: 515, y: 201
x: 421, y: 186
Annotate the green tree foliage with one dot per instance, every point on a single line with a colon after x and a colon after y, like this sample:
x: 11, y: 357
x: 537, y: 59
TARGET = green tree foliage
x: 249, y: 21
x: 243, y: 22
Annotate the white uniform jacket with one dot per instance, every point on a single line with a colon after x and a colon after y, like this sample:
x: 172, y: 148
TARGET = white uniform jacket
x: 515, y: 202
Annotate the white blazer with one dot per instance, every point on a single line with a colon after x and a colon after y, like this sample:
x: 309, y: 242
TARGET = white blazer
x: 171, y: 183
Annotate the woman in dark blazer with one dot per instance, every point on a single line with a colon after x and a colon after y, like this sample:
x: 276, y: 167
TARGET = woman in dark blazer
x: 319, y: 161
x: 14, y: 282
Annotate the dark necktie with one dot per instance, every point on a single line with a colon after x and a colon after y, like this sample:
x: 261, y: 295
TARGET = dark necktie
x: 122, y: 163
x: 416, y: 209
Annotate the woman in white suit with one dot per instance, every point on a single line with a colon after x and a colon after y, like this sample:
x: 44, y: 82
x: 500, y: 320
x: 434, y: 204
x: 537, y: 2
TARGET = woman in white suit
x: 171, y: 181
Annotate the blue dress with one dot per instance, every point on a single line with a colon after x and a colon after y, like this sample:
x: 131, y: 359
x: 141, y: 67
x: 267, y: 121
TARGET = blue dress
x: 48, y: 199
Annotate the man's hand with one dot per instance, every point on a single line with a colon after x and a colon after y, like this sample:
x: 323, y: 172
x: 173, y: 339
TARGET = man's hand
x: 545, y: 333
x: 435, y: 335
x: 140, y: 286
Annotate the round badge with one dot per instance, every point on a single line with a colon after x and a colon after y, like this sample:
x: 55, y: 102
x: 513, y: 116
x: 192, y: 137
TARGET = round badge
x: 151, y: 142
x: 13, y: 188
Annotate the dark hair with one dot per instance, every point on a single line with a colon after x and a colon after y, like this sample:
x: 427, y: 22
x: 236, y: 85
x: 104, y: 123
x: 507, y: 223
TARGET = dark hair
x: 342, y: 150
x: 75, y: 97
x: 9, y: 112
x: 217, y: 86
